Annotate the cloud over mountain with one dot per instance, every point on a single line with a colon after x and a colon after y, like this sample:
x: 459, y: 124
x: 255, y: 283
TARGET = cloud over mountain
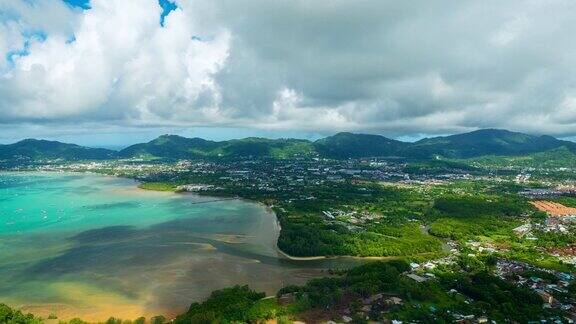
x: 374, y: 66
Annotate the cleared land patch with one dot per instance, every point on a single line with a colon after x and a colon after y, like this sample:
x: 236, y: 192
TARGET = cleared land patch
x: 553, y: 208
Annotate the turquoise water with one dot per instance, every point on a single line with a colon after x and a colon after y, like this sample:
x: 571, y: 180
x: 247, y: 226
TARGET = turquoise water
x: 95, y: 246
x: 48, y: 202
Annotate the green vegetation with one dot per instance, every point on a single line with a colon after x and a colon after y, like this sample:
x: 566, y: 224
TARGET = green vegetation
x: 438, y: 166
x: 177, y: 147
x: 555, y: 158
x: 374, y: 221
x: 348, y: 145
x: 31, y: 149
x: 500, y: 300
x: 292, y: 149
x: 465, y: 287
x: 470, y: 217
x: 555, y: 239
x: 366, y: 218
x: 236, y: 304
x: 484, y: 142
x: 458, y: 211
x: 157, y: 186
x: 462, y: 229
x: 438, y: 300
x: 566, y: 201
x: 304, y: 238
x: 11, y: 316
x: 369, y: 219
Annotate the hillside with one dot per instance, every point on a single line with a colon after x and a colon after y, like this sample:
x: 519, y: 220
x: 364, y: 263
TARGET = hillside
x: 32, y: 149
x: 484, y: 142
x: 348, y: 145
x: 556, y: 158
x: 342, y: 145
x: 487, y: 142
x: 170, y: 146
x: 177, y: 147
x: 262, y: 147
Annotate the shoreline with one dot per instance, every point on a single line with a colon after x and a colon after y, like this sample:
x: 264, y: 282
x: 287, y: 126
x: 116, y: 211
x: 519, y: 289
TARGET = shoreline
x: 295, y: 258
x: 266, y: 223
x: 269, y: 210
x: 66, y: 311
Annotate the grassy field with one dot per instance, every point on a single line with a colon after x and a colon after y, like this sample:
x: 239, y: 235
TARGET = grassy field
x: 158, y: 186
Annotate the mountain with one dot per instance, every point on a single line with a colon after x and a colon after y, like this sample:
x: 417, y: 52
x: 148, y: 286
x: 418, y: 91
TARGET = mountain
x: 177, y: 147
x: 478, y: 143
x: 170, y: 146
x: 487, y: 142
x: 348, y: 145
x: 484, y: 142
x: 263, y: 147
x: 33, y: 149
x: 342, y: 145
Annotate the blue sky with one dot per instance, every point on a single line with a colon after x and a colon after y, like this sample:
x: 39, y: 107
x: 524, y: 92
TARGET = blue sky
x: 166, y: 5
x: 84, y: 4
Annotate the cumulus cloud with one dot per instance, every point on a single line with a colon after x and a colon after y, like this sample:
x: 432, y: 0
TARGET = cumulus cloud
x: 391, y: 67
x: 117, y: 63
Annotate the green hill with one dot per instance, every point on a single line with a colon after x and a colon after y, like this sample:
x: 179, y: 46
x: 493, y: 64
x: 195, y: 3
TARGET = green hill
x: 170, y: 146
x: 555, y: 158
x: 177, y: 147
x: 487, y: 142
x: 342, y: 145
x: 262, y: 147
x: 484, y: 142
x: 32, y: 149
x: 348, y: 145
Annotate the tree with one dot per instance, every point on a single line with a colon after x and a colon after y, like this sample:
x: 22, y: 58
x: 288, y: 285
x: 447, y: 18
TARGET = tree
x: 158, y: 319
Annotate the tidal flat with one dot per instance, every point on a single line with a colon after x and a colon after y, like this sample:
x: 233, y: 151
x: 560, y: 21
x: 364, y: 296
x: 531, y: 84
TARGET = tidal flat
x: 92, y: 246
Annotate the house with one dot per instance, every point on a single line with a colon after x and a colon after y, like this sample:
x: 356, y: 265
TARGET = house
x: 429, y: 265
x: 546, y: 297
x: 287, y: 298
x: 416, y: 277
x: 394, y: 301
x: 372, y: 299
x: 523, y: 229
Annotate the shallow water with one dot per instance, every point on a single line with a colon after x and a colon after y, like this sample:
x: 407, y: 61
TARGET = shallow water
x: 90, y: 246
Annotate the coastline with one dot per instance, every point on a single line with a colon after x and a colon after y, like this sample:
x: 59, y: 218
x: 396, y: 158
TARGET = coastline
x: 104, y: 302
x: 295, y: 258
x: 307, y: 267
x: 278, y: 228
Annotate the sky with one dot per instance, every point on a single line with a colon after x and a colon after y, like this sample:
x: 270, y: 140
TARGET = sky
x: 116, y: 72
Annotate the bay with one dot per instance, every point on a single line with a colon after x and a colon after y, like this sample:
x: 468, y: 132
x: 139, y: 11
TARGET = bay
x: 92, y: 246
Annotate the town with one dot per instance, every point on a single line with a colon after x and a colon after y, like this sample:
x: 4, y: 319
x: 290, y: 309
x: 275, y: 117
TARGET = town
x: 524, y: 226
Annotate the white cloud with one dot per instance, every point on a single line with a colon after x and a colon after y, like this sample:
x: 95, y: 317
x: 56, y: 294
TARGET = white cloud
x: 121, y: 65
x: 379, y: 66
x: 51, y: 17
